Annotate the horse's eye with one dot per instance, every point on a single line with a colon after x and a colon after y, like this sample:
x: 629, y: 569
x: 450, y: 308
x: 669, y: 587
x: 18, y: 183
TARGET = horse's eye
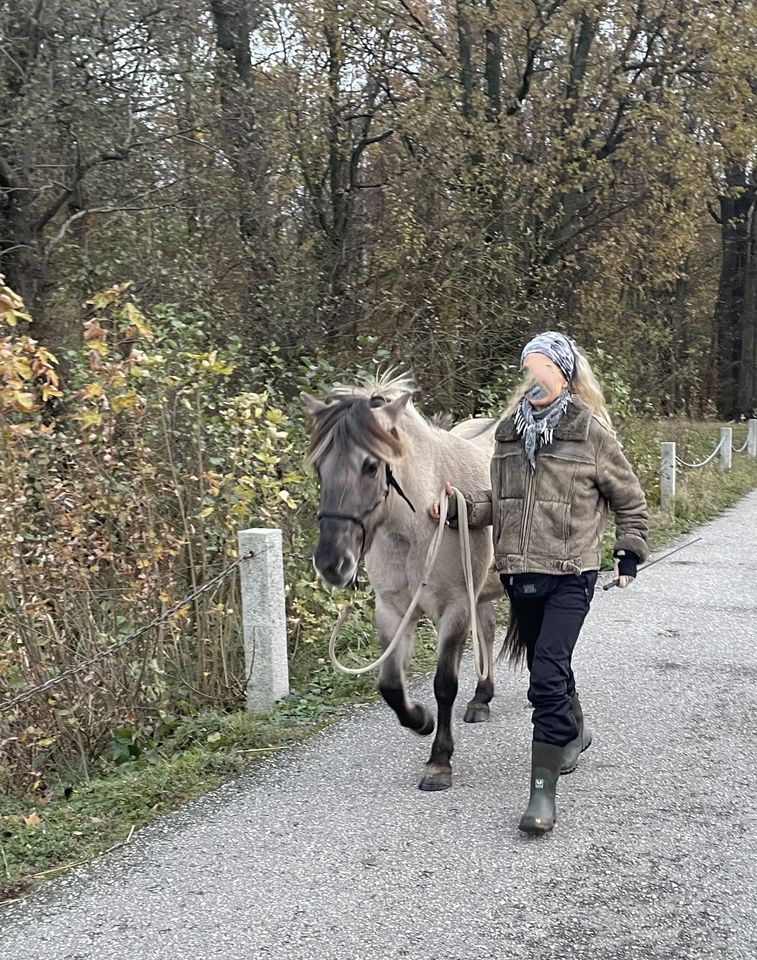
x: 370, y: 468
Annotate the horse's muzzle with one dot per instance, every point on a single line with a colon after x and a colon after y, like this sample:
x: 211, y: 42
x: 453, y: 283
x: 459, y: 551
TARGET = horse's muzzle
x: 339, y: 571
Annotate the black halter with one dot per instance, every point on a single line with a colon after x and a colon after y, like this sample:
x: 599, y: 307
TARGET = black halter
x: 391, y: 483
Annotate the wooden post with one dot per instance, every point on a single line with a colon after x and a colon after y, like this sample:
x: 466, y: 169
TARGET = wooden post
x: 726, y: 448
x: 667, y: 475
x: 264, y: 618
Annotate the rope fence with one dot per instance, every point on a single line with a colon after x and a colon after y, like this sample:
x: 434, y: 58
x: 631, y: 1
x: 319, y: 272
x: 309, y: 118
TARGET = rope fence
x: 51, y: 682
x: 670, y: 461
x: 261, y: 570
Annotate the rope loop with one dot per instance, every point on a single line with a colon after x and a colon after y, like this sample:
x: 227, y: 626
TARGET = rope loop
x: 702, y: 463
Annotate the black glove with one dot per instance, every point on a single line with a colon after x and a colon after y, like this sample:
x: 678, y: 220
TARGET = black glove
x: 452, y: 512
x: 628, y: 563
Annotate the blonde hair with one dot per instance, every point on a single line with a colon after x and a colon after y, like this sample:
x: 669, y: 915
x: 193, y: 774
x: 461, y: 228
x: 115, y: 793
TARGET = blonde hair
x: 584, y: 385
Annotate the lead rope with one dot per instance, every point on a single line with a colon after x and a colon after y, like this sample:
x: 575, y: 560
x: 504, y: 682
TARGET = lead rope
x: 481, y: 660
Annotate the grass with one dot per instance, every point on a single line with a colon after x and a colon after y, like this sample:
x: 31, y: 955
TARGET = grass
x: 702, y: 493
x: 42, y: 837
x: 75, y: 822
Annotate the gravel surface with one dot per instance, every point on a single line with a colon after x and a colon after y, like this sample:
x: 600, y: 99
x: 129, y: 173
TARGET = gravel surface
x: 329, y: 850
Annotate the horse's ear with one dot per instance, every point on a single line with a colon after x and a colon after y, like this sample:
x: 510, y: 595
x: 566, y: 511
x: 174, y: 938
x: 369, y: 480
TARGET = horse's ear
x: 311, y: 404
x: 393, y: 410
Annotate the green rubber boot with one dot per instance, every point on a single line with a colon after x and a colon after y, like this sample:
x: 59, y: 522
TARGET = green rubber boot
x: 573, y: 750
x: 541, y: 815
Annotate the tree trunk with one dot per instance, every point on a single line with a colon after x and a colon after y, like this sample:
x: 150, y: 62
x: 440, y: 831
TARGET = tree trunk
x: 465, y: 55
x: 234, y: 22
x: 734, y: 317
x: 747, y: 387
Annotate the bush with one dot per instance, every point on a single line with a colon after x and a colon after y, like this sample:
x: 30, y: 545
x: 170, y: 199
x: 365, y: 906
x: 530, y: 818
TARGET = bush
x: 120, y: 494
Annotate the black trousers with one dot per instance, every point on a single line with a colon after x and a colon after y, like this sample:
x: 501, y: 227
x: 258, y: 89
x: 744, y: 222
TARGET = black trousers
x: 550, y: 610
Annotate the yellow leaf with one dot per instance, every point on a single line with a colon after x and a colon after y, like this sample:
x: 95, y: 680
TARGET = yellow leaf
x: 98, y: 346
x: 49, y: 391
x: 92, y: 391
x: 287, y: 498
x: 44, y: 356
x: 136, y: 319
x: 33, y: 820
x: 22, y: 367
x: 105, y: 297
x: 125, y: 401
x: 89, y: 418
x: 24, y: 402
x: 205, y: 512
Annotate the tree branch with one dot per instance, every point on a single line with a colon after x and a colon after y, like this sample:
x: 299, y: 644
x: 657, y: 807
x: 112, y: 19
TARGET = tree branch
x: 424, y: 30
x: 65, y: 194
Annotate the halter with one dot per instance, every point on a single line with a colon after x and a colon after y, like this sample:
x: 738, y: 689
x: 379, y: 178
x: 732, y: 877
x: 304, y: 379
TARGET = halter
x: 391, y: 483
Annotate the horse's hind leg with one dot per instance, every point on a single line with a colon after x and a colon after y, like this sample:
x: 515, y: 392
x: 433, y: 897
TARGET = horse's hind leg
x: 452, y: 631
x: 391, y: 683
x: 478, y: 708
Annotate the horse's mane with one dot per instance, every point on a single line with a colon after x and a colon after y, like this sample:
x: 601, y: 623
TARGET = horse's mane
x: 347, y: 419
x: 390, y: 384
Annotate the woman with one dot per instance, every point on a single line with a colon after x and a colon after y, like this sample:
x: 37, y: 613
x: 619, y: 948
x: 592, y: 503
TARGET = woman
x: 557, y: 468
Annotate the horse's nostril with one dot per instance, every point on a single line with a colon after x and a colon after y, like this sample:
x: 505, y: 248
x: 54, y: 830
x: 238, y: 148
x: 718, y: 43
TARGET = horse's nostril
x: 335, y: 570
x: 328, y: 569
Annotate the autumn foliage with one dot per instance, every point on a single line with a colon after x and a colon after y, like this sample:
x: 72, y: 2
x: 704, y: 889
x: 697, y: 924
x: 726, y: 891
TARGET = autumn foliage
x: 118, y: 496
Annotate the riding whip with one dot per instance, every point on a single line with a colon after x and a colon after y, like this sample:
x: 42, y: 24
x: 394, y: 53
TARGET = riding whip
x: 614, y: 583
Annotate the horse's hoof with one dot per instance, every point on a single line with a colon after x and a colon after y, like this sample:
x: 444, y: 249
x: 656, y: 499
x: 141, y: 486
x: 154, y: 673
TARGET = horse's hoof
x: 439, y: 780
x: 476, y: 713
x: 427, y: 726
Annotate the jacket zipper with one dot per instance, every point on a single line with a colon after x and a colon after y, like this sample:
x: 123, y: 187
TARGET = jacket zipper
x: 525, y: 527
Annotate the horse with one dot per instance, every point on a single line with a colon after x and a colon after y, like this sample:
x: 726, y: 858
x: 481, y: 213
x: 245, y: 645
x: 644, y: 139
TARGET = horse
x: 380, y: 465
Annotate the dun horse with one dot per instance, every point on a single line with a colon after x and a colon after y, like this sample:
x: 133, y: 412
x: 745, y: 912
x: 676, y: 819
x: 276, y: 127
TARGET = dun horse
x: 381, y: 464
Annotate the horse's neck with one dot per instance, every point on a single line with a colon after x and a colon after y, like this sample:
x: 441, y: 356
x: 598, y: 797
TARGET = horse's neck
x: 415, y: 474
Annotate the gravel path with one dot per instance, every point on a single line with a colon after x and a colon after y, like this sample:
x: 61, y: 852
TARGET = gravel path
x: 329, y: 850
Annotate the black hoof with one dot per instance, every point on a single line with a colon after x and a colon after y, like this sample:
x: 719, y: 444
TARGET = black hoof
x: 476, y: 713
x: 439, y: 780
x: 427, y: 724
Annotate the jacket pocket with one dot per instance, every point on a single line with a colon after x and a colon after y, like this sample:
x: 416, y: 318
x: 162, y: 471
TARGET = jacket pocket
x: 549, y: 528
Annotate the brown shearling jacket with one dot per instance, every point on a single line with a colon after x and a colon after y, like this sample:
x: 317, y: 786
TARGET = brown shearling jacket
x: 552, y: 519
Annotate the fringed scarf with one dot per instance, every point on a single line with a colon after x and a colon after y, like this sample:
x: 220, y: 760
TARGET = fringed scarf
x: 537, y: 426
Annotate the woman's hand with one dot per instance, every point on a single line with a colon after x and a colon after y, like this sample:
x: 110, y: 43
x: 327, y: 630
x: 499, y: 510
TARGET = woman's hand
x: 434, y: 511
x: 624, y: 571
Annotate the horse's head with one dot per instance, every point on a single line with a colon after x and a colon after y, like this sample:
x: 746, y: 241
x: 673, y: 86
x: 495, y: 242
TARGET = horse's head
x: 353, y: 443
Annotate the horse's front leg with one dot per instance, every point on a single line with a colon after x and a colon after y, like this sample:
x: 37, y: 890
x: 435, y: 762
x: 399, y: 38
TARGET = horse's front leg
x: 478, y: 708
x: 392, y: 684
x: 452, y: 629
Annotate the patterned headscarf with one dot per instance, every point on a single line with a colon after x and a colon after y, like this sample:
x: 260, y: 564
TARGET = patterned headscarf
x: 536, y: 426
x: 557, y: 347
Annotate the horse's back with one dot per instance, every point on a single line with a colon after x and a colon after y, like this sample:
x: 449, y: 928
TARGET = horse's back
x: 477, y: 430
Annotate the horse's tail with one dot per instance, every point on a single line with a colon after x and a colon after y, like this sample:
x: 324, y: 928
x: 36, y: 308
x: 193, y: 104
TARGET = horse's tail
x: 513, y: 648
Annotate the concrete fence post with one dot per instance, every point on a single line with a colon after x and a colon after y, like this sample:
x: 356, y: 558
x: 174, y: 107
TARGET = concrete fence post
x: 726, y: 449
x: 751, y: 447
x: 667, y: 474
x: 263, y: 618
